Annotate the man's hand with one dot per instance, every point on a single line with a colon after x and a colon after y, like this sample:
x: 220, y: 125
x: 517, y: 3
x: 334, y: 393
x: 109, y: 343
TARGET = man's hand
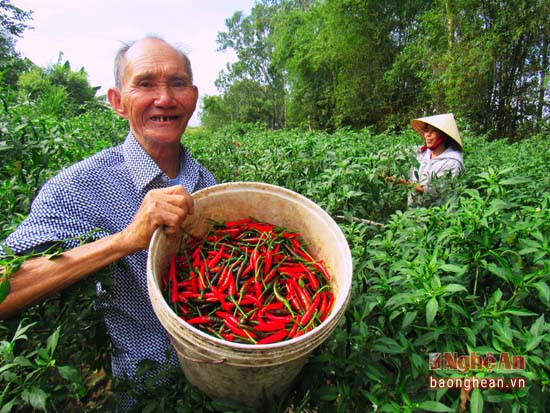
x: 166, y: 208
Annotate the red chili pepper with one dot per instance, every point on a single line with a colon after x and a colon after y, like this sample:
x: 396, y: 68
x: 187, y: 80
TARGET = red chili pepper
x: 311, y: 310
x: 196, y: 255
x: 260, y: 227
x: 173, y: 280
x: 237, y: 223
x: 274, y: 317
x: 323, y: 305
x: 268, y: 259
x: 257, y: 289
x: 227, y: 336
x: 329, y: 305
x: 303, y: 295
x: 221, y: 298
x: 273, y: 338
x: 313, y: 281
x: 270, y: 275
x: 218, y: 278
x: 223, y: 281
x: 211, y: 297
x: 254, y: 260
x: 290, y: 269
x: 271, y: 306
x: 232, y: 231
x: 270, y: 326
x: 293, y: 330
x: 251, y: 299
x: 203, y: 319
x: 246, y: 286
x: 232, y: 289
x: 320, y: 266
x: 239, y: 331
x: 292, y: 297
x: 183, y: 295
x: 216, y: 257
x: 183, y: 308
x: 228, y: 316
x: 247, y: 270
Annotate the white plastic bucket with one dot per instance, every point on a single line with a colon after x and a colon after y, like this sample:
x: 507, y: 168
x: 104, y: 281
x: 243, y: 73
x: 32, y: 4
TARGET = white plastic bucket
x: 246, y: 373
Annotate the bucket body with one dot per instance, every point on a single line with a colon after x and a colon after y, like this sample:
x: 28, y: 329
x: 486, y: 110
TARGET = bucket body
x: 246, y: 373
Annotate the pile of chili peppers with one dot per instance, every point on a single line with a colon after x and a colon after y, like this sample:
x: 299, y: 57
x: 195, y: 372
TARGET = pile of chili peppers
x: 250, y: 282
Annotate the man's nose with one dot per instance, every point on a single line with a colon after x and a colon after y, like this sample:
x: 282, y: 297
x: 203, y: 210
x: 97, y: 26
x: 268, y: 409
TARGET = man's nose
x: 164, y: 96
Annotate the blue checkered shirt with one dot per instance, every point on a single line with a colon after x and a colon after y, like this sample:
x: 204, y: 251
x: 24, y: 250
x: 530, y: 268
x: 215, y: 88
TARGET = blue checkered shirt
x: 105, y: 191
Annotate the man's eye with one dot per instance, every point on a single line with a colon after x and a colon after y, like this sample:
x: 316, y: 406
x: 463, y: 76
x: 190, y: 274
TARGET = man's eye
x: 178, y: 83
x: 145, y: 84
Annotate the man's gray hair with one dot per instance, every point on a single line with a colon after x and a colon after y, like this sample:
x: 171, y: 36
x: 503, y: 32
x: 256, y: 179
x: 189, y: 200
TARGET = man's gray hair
x: 120, y: 60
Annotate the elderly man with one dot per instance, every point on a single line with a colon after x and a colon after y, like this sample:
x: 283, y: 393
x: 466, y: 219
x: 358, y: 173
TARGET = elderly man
x: 127, y: 192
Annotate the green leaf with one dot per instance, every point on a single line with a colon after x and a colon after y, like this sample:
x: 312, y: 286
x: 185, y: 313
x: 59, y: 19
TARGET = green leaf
x: 504, y: 333
x: 4, y: 288
x: 400, y: 299
x: 328, y: 394
x: 431, y: 310
x: 408, y: 319
x: 7, y: 250
x: 22, y: 361
x: 53, y: 339
x: 387, y: 345
x: 495, y: 297
x: 519, y: 312
x: 36, y: 397
x: 537, y: 326
x: 476, y: 401
x: 20, y: 333
x: 69, y: 373
x: 514, y: 181
x: 500, y: 272
x: 544, y: 291
x: 7, y: 408
x: 453, y: 268
x: 453, y: 288
x: 433, y: 406
x: 533, y: 342
x: 6, y: 367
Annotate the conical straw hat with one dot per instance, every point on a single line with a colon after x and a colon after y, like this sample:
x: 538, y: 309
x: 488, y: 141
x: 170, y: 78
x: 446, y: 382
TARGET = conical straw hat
x: 445, y: 123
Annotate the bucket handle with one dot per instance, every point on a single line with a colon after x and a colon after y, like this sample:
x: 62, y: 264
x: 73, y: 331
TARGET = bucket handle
x: 194, y: 360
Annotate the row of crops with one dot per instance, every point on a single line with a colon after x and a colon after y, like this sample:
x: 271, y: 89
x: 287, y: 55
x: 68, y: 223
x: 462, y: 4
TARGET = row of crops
x: 469, y: 274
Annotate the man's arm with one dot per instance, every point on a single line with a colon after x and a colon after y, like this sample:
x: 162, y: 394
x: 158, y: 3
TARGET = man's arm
x: 41, y: 277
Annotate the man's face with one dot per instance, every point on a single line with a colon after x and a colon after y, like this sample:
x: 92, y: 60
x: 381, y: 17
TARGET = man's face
x: 157, y: 97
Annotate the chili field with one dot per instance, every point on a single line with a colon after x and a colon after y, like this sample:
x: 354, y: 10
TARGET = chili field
x: 464, y: 279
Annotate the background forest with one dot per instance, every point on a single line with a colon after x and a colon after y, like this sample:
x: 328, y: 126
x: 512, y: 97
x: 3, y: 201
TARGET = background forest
x: 320, y: 102
x: 356, y: 63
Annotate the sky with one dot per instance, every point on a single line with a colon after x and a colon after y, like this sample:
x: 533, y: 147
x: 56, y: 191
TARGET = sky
x: 89, y: 33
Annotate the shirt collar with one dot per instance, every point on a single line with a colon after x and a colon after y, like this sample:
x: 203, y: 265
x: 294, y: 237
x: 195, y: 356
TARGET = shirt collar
x: 144, y: 170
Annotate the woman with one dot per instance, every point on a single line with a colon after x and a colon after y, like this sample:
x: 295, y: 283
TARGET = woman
x: 441, y: 155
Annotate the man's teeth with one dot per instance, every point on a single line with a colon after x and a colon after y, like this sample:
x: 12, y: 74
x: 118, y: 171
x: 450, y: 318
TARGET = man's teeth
x: 163, y: 118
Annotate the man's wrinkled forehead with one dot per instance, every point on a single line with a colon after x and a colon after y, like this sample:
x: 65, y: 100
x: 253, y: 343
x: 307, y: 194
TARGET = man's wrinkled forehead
x: 147, y: 55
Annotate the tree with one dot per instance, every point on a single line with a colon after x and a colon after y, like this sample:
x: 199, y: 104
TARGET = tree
x: 12, y: 24
x: 250, y: 37
x: 327, y: 64
x: 243, y: 102
x: 57, y: 89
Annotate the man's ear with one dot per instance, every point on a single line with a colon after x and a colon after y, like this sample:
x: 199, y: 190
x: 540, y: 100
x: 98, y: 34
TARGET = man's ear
x: 115, y: 99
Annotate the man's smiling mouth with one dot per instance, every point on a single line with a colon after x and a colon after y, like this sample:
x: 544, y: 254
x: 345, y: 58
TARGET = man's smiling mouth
x: 164, y: 118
